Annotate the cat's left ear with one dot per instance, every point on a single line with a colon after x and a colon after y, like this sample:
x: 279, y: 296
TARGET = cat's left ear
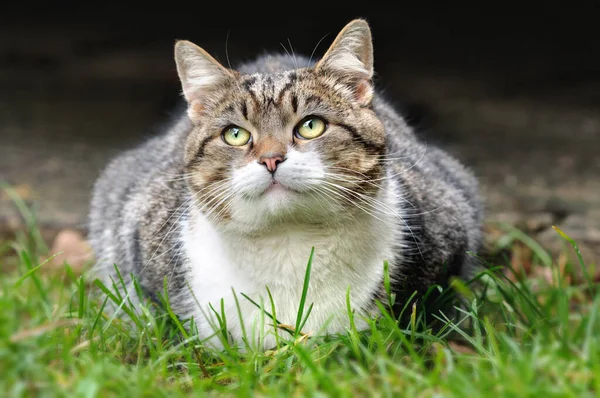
x: 350, y: 59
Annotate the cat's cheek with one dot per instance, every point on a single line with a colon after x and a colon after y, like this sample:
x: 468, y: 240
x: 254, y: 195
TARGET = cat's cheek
x: 251, y: 180
x: 301, y: 171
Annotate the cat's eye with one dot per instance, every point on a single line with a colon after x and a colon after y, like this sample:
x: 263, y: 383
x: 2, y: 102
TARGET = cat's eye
x: 310, y: 127
x: 236, y: 136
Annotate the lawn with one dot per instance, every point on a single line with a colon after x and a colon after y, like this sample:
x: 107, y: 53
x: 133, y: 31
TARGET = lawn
x: 518, y: 333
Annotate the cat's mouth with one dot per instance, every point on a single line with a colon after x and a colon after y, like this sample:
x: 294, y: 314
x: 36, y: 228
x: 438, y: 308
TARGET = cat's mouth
x: 280, y: 189
x: 276, y: 187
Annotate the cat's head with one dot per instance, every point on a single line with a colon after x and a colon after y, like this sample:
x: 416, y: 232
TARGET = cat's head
x: 300, y: 144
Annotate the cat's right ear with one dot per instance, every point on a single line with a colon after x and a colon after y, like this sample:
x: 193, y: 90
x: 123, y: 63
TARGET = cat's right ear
x: 200, y: 75
x: 350, y: 59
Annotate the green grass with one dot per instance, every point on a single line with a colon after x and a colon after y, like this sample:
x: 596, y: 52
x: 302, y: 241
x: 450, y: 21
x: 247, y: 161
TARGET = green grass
x: 516, y: 336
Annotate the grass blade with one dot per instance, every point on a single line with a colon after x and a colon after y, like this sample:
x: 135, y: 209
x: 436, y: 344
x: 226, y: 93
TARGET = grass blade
x: 304, y: 292
x: 573, y: 244
x: 32, y: 270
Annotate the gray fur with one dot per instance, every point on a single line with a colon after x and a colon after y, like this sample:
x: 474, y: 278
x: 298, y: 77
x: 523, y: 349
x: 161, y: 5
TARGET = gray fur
x: 139, y: 200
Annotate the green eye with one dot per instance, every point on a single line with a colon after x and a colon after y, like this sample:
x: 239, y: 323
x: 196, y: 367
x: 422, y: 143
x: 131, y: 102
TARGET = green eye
x: 236, y: 136
x: 309, y: 128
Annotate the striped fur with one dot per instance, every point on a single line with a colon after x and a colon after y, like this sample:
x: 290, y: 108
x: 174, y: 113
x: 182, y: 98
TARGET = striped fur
x: 209, y: 217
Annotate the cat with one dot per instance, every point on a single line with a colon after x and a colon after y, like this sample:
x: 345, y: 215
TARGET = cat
x: 268, y: 161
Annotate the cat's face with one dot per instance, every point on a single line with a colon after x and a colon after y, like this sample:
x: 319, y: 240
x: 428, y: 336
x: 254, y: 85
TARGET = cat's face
x: 294, y: 145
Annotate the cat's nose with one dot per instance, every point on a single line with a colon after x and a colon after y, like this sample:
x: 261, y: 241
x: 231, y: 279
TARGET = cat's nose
x: 271, y: 161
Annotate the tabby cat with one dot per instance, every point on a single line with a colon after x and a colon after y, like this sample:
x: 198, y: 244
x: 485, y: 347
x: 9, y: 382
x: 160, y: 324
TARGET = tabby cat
x: 270, y: 160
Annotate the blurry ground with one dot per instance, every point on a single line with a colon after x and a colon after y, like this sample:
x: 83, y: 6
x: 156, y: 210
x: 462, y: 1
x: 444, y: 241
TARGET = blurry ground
x: 518, y: 101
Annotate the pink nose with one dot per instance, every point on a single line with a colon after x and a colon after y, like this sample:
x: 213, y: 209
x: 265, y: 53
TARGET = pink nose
x: 271, y: 162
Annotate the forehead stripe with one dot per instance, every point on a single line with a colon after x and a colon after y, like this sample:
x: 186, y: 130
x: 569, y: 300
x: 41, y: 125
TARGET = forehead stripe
x: 282, y: 92
x: 245, y: 110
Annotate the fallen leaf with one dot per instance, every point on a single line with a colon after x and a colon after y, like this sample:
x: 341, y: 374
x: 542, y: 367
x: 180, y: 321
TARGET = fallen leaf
x: 72, y: 248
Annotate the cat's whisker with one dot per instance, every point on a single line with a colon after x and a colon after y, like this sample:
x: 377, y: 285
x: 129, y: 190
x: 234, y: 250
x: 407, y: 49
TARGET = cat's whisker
x: 175, y: 175
x: 225, y: 204
x: 366, y: 211
x: 390, y: 209
x: 218, y: 200
x: 337, y: 189
x: 403, y: 170
x: 374, y: 203
x: 198, y: 201
x: 392, y: 160
x: 290, y: 55
x: 166, y: 173
x: 168, y: 233
x: 380, y: 157
x: 171, y: 216
x: 355, y: 181
x: 227, y: 49
x: 350, y: 179
x: 293, y: 55
x: 226, y: 208
x: 393, y: 175
x: 347, y: 169
x: 400, y: 154
x: 367, y: 199
x: 192, y: 197
x: 315, y: 49
x: 342, y: 178
x: 321, y: 190
x: 180, y: 178
x: 215, y: 197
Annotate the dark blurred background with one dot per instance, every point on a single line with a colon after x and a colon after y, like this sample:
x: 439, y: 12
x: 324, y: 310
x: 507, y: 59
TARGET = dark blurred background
x: 512, y: 90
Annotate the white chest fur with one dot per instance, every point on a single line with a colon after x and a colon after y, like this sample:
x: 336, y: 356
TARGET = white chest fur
x: 346, y: 256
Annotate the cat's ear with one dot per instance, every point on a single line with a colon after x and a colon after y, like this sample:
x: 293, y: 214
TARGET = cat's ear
x: 350, y: 58
x: 200, y: 74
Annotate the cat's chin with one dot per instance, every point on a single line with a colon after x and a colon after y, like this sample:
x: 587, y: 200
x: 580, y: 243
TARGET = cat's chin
x: 278, y: 204
x: 279, y: 198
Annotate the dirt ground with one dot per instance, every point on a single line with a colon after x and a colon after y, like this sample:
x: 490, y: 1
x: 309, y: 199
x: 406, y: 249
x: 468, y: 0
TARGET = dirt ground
x: 524, y: 119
